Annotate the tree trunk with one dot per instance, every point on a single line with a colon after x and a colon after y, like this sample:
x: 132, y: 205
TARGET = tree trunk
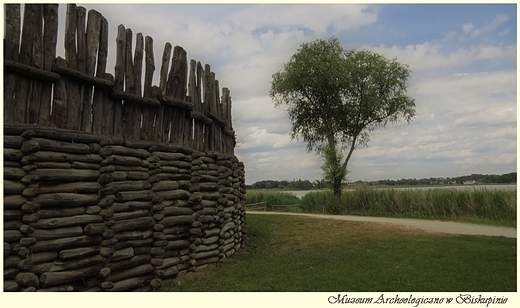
x: 337, y: 194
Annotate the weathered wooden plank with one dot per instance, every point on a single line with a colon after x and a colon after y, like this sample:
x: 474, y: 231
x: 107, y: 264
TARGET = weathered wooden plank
x: 58, y: 175
x: 81, y: 39
x: 66, y: 199
x: 12, y: 31
x: 161, y: 120
x: 53, y: 278
x: 61, y: 222
x: 55, y: 212
x: 138, y: 63
x: 50, y: 38
x: 137, y: 75
x: 177, y: 210
x: 226, y: 116
x: 57, y: 233
x: 93, y: 34
x: 177, y: 220
x: 75, y: 253
x: 64, y: 266
x: 165, y: 185
x: 125, y: 151
x: 130, y: 215
x: 110, y: 107
x: 131, y: 206
x: 100, y: 114
x: 32, y: 30
x: 103, y: 46
x: 13, y: 187
x: 148, y: 112
x: 218, y: 114
x: 133, y: 262
x: 74, y: 111
x: 30, y: 71
x: 199, y: 126
x: 68, y: 242
x: 22, y: 84
x: 140, y: 195
x: 119, y: 78
x: 13, y: 142
x: 61, y: 157
x: 61, y: 68
x: 130, y: 284
x: 133, y: 224
x: 91, y: 41
x: 133, y: 235
x: 174, y: 194
x: 59, y: 100
x: 85, y: 91
x: 128, y: 107
x: 194, y: 96
x: 13, y: 173
x: 14, y: 201
x: 60, y: 146
x: 131, y: 273
x: 176, y: 88
x: 179, y: 244
x: 129, y: 185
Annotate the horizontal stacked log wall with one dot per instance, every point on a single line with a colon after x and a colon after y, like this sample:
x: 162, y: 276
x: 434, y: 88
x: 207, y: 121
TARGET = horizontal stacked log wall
x: 77, y: 92
x: 87, y: 212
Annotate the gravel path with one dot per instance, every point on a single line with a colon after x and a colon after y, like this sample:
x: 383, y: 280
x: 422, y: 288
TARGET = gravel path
x: 426, y: 225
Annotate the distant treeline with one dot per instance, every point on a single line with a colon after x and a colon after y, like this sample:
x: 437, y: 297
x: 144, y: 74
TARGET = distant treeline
x: 479, y: 178
x: 288, y: 185
x: 319, y: 184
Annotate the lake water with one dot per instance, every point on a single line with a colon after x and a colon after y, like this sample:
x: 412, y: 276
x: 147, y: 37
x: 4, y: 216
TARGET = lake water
x: 301, y: 193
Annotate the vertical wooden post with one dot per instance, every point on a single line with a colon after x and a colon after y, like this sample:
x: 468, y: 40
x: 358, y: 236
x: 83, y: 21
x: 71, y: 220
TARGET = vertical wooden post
x: 50, y: 39
x: 74, y: 111
x: 92, y: 38
x: 208, y: 96
x: 85, y: 90
x: 119, y: 80
x: 138, y: 73
x: 148, y: 112
x: 28, y: 91
x: 194, y: 94
x: 11, y: 49
x: 176, y: 88
x: 59, y: 101
x: 226, y: 112
x: 97, y: 42
x: 199, y: 125
x: 161, y: 121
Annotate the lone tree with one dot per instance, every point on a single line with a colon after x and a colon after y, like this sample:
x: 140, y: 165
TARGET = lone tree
x: 335, y: 98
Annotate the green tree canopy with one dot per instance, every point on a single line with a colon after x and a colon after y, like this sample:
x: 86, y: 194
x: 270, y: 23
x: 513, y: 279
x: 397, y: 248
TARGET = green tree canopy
x: 335, y: 98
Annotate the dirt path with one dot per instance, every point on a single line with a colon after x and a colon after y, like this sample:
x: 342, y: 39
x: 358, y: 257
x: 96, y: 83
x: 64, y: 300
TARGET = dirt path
x: 426, y: 225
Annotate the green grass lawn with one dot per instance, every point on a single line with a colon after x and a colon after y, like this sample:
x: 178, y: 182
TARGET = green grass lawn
x: 293, y: 254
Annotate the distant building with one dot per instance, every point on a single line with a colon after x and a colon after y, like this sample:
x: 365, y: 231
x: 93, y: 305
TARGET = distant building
x: 469, y: 182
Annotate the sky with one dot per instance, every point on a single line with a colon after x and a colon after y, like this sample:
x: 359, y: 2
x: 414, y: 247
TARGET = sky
x: 462, y: 57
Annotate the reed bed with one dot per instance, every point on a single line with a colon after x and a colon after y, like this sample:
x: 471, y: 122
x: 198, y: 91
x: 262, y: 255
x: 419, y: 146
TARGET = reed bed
x: 481, y: 206
x: 273, y: 198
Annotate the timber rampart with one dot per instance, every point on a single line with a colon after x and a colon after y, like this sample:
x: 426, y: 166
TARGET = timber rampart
x: 110, y: 183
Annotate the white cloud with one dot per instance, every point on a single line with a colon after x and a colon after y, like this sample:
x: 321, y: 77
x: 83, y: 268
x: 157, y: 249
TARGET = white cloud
x: 430, y: 55
x: 468, y: 27
x: 465, y: 90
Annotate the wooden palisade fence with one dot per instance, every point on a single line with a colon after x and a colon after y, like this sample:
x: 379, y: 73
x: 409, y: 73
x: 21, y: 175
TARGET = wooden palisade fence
x: 77, y: 93
x: 107, y: 187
